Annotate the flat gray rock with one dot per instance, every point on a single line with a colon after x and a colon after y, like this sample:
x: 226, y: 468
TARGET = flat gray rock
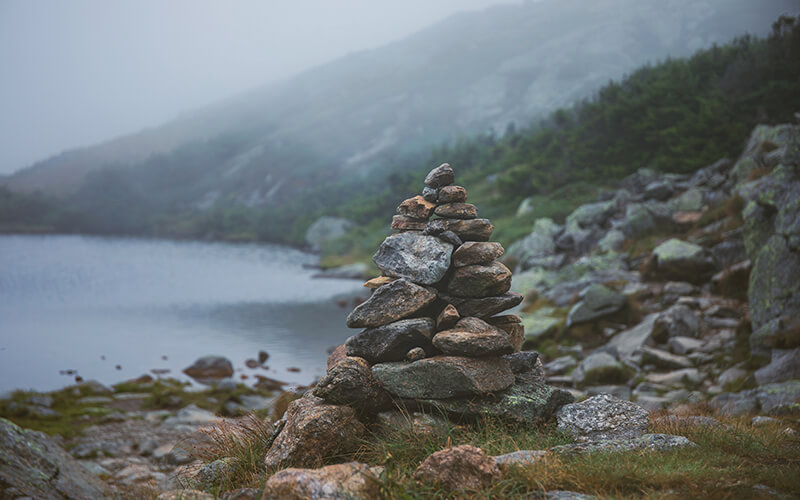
x: 414, y: 256
x: 393, y: 341
x: 389, y: 303
x: 652, y: 442
x: 444, y: 377
x: 596, y: 302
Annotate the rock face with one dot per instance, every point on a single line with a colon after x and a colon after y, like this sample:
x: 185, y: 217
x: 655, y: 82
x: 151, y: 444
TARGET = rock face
x: 33, y: 465
x: 460, y: 468
x: 210, y: 367
x: 394, y: 301
x: 603, y: 417
x: 313, y: 432
x: 350, y: 481
x: 391, y: 342
x: 419, y: 258
x: 443, y: 377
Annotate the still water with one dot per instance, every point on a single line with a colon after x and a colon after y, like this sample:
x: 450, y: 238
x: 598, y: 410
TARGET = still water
x: 94, y: 304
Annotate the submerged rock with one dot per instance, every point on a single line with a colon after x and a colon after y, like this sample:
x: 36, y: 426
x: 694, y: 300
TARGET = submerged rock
x: 210, y: 367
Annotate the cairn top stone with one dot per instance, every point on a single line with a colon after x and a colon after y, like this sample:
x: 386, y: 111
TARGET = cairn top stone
x: 414, y: 256
x: 440, y: 176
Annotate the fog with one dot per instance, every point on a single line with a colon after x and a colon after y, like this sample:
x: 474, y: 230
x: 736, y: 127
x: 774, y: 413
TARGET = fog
x: 79, y: 72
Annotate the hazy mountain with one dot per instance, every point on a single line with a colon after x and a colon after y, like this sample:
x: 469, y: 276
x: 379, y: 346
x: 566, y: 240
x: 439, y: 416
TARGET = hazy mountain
x: 471, y: 72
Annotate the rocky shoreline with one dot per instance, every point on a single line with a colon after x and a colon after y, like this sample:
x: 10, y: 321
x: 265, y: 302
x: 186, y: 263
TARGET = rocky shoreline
x: 667, y: 306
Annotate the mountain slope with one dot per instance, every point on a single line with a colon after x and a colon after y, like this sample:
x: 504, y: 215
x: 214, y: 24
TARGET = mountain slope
x: 469, y: 73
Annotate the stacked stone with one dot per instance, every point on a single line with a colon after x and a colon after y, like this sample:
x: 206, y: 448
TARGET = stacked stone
x: 431, y: 334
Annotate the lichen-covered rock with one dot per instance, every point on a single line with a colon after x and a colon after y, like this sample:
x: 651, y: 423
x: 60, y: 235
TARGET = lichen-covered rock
x: 483, y: 307
x: 350, y: 382
x: 479, y: 280
x: 775, y: 281
x: 349, y: 481
x: 414, y: 256
x: 33, y: 465
x: 596, y: 302
x: 603, y: 417
x: 523, y: 403
x: 681, y: 261
x: 389, y: 303
x: 391, y: 342
x: 462, y: 467
x: 313, y: 432
x: 442, y: 377
x: 650, y: 442
x: 477, y: 252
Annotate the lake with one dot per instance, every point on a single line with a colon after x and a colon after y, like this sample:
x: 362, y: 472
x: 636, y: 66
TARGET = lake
x: 114, y: 308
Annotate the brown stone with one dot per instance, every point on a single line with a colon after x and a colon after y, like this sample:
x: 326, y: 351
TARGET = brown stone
x: 447, y: 318
x: 314, y: 432
x: 512, y: 325
x: 471, y: 229
x: 350, y: 382
x: 480, y: 280
x: 416, y: 207
x: 460, y: 343
x: 463, y: 467
x: 415, y: 354
x: 457, y: 211
x: 378, y: 282
x: 403, y: 223
x: 352, y: 480
x: 389, y: 303
x: 477, y: 252
x: 452, y: 194
x: 337, y: 355
x: 484, y: 307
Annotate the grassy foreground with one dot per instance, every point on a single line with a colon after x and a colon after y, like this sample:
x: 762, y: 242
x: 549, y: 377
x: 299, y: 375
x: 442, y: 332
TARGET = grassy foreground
x: 738, y: 461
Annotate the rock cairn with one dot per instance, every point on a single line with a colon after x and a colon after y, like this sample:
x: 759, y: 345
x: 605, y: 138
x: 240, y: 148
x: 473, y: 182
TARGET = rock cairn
x: 432, y: 335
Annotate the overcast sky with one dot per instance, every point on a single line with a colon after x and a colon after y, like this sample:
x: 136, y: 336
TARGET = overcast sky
x: 77, y: 72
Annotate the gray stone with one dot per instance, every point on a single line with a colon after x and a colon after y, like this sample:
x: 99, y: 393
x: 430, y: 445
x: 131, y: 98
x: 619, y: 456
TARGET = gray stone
x: 480, y: 280
x: 389, y: 303
x: 618, y: 391
x: 774, y: 289
x: 442, y: 377
x: 596, y: 302
x: 592, y: 214
x: 603, y: 417
x: 729, y: 252
x: 684, y: 345
x: 391, y: 342
x: 567, y: 495
x: 451, y: 238
x: 522, y: 362
x: 612, y: 241
x: 677, y: 321
x: 663, y: 359
x: 780, y: 399
x: 521, y: 457
x: 650, y: 442
x: 679, y: 260
x: 631, y: 341
x: 350, y: 382
x: 601, y: 368
x: 785, y: 365
x: 658, y: 190
x: 483, y: 307
x: 325, y: 229
x: 561, y: 365
x: 33, y: 465
x: 685, y: 376
x: 440, y: 176
x: 430, y: 194
x: 732, y: 375
x: 680, y: 288
x: 414, y: 256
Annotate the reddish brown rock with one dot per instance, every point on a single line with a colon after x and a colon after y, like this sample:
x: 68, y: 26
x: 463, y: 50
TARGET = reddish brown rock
x: 314, y: 431
x: 337, y: 355
x: 480, y: 280
x: 471, y: 229
x: 512, y: 325
x: 452, y: 194
x: 447, y: 318
x: 477, y: 252
x: 457, y: 211
x: 352, y: 480
x: 416, y: 207
x: 463, y: 467
x: 403, y: 223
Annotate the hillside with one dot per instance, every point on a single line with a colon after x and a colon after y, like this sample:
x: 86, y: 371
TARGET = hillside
x: 472, y: 72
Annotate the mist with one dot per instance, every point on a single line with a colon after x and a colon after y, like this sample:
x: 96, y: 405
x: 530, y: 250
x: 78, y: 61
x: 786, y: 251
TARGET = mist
x: 80, y: 72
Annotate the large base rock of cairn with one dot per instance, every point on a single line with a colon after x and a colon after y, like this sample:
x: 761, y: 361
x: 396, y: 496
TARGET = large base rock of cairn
x: 434, y: 336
